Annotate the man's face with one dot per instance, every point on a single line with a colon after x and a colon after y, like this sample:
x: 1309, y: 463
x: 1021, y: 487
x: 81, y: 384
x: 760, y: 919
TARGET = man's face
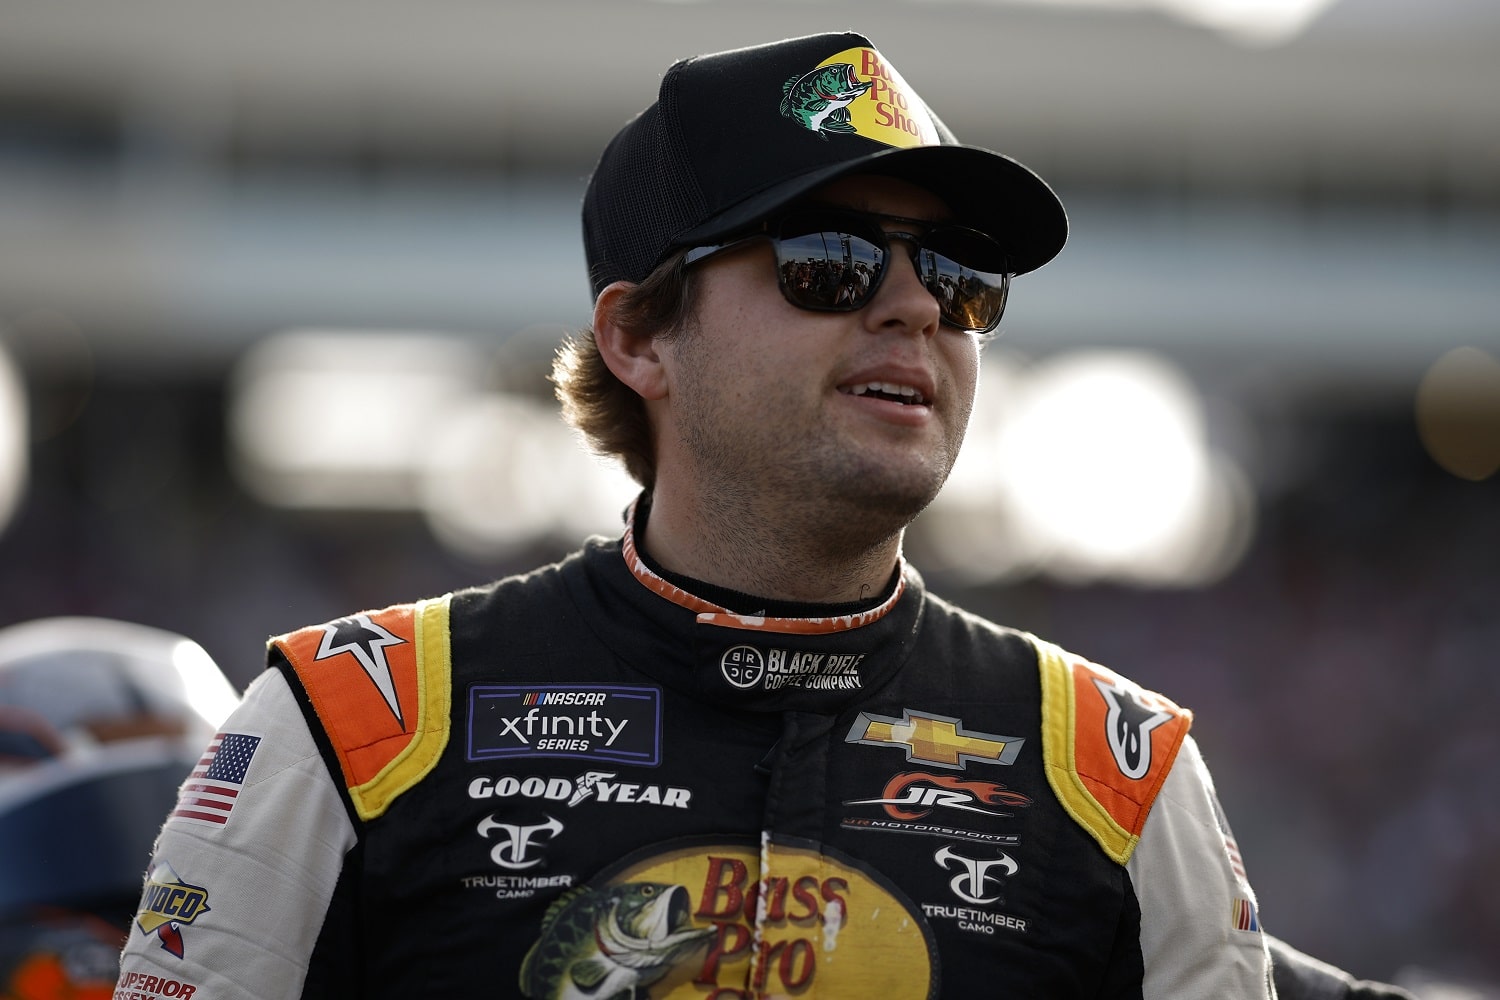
x: 772, y: 403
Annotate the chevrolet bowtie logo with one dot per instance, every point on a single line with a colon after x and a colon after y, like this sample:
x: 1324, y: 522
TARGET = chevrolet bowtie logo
x: 933, y: 739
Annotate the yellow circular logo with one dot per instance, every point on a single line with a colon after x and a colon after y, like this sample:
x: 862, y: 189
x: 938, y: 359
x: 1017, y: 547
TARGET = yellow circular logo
x: 856, y: 91
x: 727, y: 921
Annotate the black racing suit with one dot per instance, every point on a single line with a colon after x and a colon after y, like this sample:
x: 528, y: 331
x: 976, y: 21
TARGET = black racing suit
x: 588, y: 782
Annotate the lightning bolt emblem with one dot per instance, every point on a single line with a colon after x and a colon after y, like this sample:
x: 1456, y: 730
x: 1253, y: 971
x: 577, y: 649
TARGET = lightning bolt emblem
x: 365, y: 640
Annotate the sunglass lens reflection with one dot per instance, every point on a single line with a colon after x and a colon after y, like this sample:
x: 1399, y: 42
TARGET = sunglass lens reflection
x: 828, y: 270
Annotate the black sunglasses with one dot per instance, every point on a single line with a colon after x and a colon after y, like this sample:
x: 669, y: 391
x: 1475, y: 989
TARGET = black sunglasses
x: 833, y: 260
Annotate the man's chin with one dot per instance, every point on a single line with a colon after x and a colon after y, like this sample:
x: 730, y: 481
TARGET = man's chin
x: 887, y: 499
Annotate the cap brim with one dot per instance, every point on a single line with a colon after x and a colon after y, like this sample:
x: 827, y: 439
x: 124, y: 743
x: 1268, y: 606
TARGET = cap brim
x: 986, y: 190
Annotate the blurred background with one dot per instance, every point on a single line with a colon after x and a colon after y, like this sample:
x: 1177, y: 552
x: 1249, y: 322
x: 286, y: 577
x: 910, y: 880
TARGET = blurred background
x: 280, y: 284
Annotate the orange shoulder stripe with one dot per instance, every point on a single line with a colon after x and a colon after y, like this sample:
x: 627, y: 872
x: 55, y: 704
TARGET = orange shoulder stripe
x: 379, y: 682
x: 1107, y: 745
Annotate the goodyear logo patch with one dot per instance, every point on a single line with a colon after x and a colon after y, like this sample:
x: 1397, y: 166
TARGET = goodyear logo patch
x: 856, y: 91
x: 619, y: 723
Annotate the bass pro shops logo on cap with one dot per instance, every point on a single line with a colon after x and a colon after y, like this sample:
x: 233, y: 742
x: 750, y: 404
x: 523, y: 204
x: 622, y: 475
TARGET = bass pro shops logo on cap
x: 854, y: 91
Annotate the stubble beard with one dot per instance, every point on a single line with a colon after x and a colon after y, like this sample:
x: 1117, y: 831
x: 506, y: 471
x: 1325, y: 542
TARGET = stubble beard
x: 791, y: 483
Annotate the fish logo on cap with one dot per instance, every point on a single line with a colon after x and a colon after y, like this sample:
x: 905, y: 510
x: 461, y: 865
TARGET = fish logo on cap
x: 856, y: 92
x: 820, y: 100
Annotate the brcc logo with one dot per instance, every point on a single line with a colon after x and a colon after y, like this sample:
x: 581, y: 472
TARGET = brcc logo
x: 743, y: 666
x: 747, y: 667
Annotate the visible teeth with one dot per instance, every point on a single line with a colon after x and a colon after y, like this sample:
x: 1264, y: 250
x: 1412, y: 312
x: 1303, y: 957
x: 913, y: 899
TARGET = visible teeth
x: 907, y: 393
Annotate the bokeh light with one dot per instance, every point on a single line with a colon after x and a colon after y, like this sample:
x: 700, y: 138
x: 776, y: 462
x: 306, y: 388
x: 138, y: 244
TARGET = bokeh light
x: 1458, y: 413
x: 971, y: 532
x: 204, y: 685
x: 1254, y: 21
x: 508, y: 472
x: 14, y: 444
x: 343, y: 419
x: 355, y: 420
x: 1092, y: 466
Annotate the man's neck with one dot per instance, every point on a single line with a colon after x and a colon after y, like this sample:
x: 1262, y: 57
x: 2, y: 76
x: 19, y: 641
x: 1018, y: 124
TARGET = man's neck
x: 813, y: 559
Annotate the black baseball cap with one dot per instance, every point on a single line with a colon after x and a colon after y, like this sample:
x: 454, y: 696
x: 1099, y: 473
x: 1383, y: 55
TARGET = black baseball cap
x: 734, y: 136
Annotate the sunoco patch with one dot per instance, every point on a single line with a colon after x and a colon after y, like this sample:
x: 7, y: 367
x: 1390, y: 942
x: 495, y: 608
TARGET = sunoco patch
x: 608, y: 722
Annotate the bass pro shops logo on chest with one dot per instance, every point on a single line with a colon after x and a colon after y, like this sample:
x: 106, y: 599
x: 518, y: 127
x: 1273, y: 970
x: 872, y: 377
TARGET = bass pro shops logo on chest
x: 726, y: 920
x: 617, y: 723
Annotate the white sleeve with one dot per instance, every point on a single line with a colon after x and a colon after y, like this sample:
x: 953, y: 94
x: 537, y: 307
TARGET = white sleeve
x: 245, y: 865
x: 1200, y: 929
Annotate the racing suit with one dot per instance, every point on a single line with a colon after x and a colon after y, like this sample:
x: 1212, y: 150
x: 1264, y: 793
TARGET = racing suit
x: 590, y: 782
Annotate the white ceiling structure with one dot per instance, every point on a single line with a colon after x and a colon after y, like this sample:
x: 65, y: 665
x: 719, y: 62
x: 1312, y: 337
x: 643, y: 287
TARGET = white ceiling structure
x: 179, y: 177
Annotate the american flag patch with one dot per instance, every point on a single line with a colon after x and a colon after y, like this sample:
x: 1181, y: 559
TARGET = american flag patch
x: 1242, y: 915
x: 214, y: 786
x: 1235, y: 861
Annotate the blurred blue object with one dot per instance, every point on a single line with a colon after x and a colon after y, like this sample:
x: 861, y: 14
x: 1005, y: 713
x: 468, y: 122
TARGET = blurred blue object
x: 100, y: 721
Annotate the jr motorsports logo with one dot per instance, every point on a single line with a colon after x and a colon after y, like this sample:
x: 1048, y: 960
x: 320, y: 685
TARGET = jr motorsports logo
x: 616, y: 723
x: 748, y: 667
x: 913, y: 795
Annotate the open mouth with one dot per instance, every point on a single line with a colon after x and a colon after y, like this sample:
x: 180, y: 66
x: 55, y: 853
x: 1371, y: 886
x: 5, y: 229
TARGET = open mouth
x: 890, y: 391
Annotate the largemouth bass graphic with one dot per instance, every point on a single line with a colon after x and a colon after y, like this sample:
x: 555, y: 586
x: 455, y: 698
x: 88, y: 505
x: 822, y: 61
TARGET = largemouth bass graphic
x: 610, y: 944
x: 820, y: 100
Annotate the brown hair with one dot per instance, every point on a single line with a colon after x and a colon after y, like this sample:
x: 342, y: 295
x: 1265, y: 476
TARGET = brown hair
x: 611, y: 417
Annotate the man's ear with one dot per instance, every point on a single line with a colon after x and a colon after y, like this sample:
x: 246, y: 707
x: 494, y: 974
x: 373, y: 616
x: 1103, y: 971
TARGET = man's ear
x: 630, y: 354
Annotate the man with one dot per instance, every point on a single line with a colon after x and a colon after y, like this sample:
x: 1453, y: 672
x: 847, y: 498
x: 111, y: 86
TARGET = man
x: 740, y: 751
